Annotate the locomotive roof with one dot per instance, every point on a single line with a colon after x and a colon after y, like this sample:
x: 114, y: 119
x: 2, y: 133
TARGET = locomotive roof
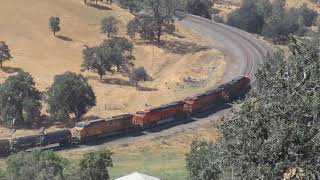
x: 166, y: 106
x: 64, y: 131
x: 86, y: 123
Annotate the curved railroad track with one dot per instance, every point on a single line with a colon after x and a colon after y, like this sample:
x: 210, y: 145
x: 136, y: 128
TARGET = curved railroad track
x: 243, y: 53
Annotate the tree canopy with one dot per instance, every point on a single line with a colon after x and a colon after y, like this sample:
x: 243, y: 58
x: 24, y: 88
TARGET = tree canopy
x: 37, y: 165
x: 200, y: 7
x: 70, y: 93
x: 19, y: 99
x: 113, y: 54
x: 274, y: 133
x: 54, y: 24
x: 272, y: 20
x: 152, y: 27
x: 109, y: 26
x: 4, y: 53
x: 138, y: 74
x: 94, y: 166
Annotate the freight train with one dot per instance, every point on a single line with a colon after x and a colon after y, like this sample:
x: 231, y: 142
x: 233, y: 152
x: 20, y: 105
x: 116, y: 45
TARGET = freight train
x: 100, y: 128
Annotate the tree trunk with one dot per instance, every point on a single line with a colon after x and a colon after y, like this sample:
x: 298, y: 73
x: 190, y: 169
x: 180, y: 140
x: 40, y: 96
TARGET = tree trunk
x: 159, y: 36
x: 100, y: 76
x: 54, y: 33
x: 108, y: 34
x: 1, y: 64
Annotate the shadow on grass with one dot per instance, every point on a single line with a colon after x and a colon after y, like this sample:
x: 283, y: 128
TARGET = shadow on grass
x: 98, y: 6
x: 64, y: 38
x: 182, y: 47
x: 11, y: 70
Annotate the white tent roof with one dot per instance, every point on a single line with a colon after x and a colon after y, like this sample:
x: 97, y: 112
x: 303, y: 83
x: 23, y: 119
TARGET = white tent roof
x: 137, y: 176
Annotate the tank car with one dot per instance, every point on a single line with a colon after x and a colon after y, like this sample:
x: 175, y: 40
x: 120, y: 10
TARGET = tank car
x: 99, y: 128
x: 25, y: 142
x: 63, y: 137
x: 5, y: 147
x: 158, y: 115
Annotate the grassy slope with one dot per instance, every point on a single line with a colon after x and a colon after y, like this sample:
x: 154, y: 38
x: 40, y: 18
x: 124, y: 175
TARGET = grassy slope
x: 24, y: 26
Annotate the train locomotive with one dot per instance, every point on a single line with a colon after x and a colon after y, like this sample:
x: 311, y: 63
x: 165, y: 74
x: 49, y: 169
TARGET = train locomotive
x: 100, y: 128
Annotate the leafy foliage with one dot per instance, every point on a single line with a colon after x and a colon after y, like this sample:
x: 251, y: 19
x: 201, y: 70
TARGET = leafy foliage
x: 112, y: 53
x: 4, y: 53
x: 202, y: 161
x: 200, y: 7
x: 19, y: 98
x: 138, y: 74
x: 109, y: 26
x: 272, y: 20
x: 134, y: 6
x: 275, y: 132
x: 70, y: 93
x: 152, y: 27
x: 54, y: 24
x: 37, y: 165
x: 94, y: 166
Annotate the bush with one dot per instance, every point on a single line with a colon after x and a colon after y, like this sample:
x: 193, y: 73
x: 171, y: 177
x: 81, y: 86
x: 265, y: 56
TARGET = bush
x: 200, y: 7
x: 272, y: 20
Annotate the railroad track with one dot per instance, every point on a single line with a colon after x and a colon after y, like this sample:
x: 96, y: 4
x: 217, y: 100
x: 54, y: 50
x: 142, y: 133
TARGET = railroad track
x: 232, y: 40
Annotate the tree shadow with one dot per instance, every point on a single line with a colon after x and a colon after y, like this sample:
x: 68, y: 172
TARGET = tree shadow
x: 116, y: 81
x: 11, y: 70
x: 182, y: 47
x: 141, y: 88
x: 98, y: 6
x: 64, y: 38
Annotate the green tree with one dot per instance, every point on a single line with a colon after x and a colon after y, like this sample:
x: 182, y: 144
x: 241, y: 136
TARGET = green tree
x: 37, y: 165
x: 134, y: 6
x: 120, y: 52
x: 309, y: 15
x: 4, y: 53
x: 116, y: 52
x: 70, y: 93
x: 19, y: 98
x: 95, y: 165
x: 96, y: 59
x: 202, y: 161
x: 274, y: 133
x: 152, y: 27
x: 200, y: 7
x: 109, y: 26
x: 54, y: 24
x: 138, y: 74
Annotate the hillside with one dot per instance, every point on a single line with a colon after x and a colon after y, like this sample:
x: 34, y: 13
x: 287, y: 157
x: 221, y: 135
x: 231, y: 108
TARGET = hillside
x: 24, y: 27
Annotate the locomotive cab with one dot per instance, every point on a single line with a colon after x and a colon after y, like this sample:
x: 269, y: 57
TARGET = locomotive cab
x: 139, y: 118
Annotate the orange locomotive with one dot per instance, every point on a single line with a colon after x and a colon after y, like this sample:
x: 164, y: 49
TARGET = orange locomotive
x: 159, y: 115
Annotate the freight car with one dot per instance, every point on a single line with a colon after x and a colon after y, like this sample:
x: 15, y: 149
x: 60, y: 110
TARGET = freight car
x: 157, y: 115
x: 25, y: 142
x: 61, y: 137
x: 99, y: 128
x: 5, y: 147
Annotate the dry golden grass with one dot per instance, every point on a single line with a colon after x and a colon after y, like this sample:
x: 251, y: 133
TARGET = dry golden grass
x: 24, y: 27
